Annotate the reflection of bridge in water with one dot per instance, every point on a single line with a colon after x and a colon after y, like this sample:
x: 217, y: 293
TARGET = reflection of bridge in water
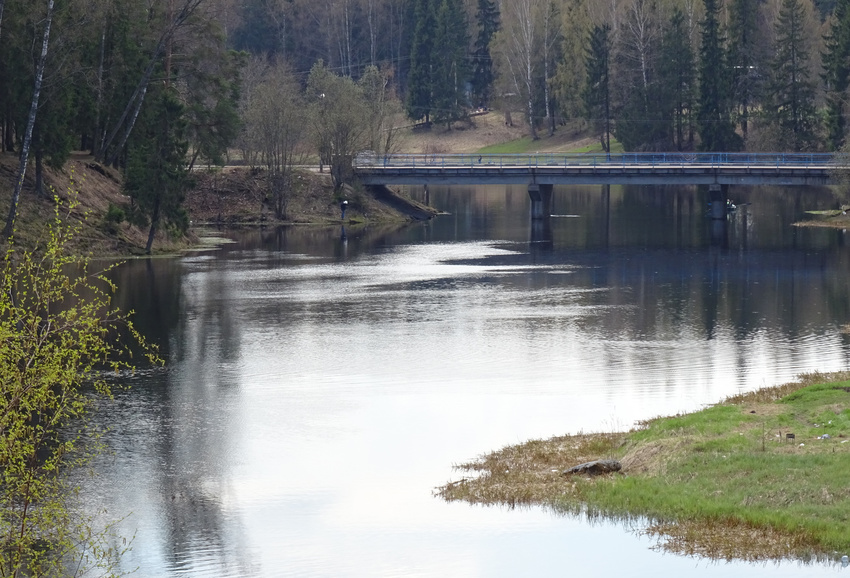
x: 540, y: 171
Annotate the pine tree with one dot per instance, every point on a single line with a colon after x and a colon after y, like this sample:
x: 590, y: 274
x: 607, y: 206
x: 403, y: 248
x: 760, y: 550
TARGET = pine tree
x: 716, y: 130
x: 790, y: 102
x: 597, y: 92
x: 837, y: 73
x: 487, y: 17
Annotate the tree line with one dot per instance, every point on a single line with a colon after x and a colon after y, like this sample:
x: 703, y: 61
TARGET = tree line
x: 157, y: 87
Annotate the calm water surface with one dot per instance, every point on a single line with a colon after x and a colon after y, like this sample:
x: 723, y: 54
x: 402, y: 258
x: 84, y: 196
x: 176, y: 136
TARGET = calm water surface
x: 322, y: 382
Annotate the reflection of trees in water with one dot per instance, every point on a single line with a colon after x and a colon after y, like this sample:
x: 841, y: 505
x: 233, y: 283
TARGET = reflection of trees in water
x: 145, y: 286
x: 195, y: 418
x: 182, y: 414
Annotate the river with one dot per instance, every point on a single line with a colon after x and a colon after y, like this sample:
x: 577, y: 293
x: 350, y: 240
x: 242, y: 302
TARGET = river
x: 321, y: 382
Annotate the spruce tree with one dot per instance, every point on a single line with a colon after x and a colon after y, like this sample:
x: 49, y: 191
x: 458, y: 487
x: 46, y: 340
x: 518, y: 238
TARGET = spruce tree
x: 678, y: 80
x: 487, y: 17
x: 791, y: 93
x: 450, y: 70
x: 597, y: 91
x: 742, y: 60
x: 716, y: 130
x: 156, y: 176
x: 837, y: 73
x: 418, y: 104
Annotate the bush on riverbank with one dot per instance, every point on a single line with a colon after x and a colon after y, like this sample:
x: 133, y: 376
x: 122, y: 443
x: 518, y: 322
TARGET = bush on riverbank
x: 725, y: 482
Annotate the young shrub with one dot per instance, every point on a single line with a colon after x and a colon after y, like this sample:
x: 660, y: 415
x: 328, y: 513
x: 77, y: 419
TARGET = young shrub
x: 58, y: 333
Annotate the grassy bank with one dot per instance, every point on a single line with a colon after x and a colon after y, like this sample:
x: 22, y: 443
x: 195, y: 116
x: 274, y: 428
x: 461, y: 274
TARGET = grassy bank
x: 725, y: 482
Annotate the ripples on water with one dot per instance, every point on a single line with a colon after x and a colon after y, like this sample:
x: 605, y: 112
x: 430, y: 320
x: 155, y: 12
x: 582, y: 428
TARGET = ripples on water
x: 312, y: 402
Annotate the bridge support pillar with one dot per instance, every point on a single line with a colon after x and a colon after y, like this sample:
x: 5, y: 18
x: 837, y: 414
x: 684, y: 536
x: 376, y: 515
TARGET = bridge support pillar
x: 717, y: 196
x: 541, y: 200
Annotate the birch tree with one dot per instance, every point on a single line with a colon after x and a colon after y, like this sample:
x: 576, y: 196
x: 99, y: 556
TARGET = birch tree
x: 25, y: 150
x: 57, y: 336
x: 383, y: 110
x: 551, y: 39
x: 520, y: 40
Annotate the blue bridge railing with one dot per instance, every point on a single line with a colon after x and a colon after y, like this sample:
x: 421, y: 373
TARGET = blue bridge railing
x: 795, y: 160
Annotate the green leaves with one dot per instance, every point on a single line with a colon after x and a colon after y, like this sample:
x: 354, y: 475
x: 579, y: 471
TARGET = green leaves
x: 57, y: 331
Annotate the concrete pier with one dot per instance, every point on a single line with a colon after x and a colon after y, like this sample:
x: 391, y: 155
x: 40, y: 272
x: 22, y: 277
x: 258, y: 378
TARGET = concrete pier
x: 541, y: 200
x: 718, y: 196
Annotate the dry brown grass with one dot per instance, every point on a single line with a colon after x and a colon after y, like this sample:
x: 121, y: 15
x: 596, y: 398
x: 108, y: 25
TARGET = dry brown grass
x: 486, y: 130
x: 529, y: 473
x: 651, y: 458
x: 839, y: 221
x: 730, y: 539
x: 94, y: 187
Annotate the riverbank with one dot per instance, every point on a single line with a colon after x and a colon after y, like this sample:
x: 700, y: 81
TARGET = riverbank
x: 238, y: 196
x: 235, y: 196
x: 759, y: 476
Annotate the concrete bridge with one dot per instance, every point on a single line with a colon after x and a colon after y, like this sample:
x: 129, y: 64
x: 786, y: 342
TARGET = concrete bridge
x: 540, y: 171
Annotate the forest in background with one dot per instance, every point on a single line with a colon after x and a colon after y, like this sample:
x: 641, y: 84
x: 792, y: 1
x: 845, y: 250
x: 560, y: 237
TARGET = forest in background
x: 158, y: 87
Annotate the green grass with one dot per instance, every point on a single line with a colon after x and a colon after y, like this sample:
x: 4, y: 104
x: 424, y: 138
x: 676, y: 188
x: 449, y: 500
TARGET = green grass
x: 514, y: 147
x: 616, y: 147
x: 526, y: 145
x: 737, y: 465
x: 723, y: 482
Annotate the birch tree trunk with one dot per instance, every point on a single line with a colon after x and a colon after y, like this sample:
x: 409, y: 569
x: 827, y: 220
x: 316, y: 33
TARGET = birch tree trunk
x: 99, y: 134
x: 551, y: 31
x: 25, y: 150
x: 373, y: 33
x: 519, y: 28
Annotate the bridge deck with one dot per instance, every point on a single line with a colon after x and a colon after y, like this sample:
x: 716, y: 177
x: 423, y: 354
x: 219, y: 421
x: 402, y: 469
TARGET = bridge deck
x: 622, y: 168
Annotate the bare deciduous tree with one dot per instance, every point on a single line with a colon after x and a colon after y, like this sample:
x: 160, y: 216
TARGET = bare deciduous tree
x: 274, y: 121
x: 339, y: 120
x: 520, y: 39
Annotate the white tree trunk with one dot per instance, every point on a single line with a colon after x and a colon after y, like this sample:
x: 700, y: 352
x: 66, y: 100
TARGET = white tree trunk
x: 2, y: 4
x: 519, y: 21
x: 25, y: 151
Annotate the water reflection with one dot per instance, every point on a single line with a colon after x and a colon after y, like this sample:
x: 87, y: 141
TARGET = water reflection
x: 322, y: 381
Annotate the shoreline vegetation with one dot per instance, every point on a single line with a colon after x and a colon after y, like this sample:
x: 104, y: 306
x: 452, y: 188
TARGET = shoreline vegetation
x: 759, y: 476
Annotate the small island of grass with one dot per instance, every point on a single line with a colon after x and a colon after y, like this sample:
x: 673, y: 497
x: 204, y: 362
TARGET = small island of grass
x: 763, y: 475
